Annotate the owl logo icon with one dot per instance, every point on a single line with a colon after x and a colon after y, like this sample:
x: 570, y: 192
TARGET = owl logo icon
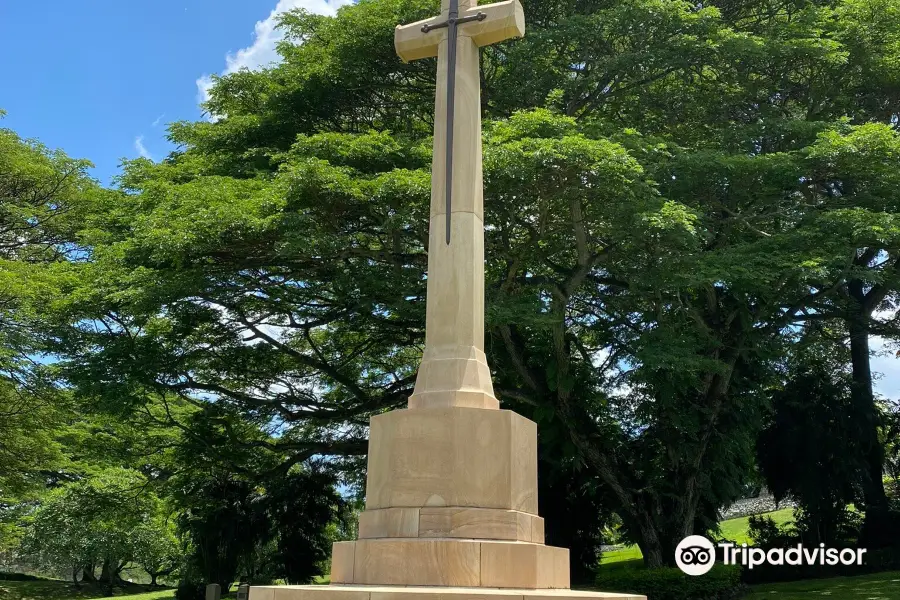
x: 695, y: 555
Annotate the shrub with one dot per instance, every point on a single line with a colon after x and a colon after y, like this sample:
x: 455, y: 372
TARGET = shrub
x: 190, y: 590
x: 721, y: 583
x: 17, y: 577
x: 766, y: 533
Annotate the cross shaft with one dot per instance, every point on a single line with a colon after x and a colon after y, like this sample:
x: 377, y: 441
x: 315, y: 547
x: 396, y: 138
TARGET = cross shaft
x: 452, y: 23
x: 454, y: 370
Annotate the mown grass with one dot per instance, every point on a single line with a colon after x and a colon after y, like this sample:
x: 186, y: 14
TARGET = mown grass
x: 880, y: 586
x: 49, y: 589
x: 736, y: 530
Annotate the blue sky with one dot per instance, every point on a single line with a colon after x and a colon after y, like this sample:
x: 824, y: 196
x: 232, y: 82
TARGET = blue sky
x: 101, y: 78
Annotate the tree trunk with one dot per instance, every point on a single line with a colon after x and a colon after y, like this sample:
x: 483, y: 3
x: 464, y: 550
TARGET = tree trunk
x: 650, y: 545
x: 875, y: 498
x: 107, y: 573
x: 75, y: 571
x: 117, y: 572
x: 153, y: 580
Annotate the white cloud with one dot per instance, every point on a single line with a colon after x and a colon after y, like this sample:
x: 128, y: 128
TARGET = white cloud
x: 158, y: 120
x: 885, y: 359
x: 886, y: 364
x: 141, y: 149
x: 261, y: 52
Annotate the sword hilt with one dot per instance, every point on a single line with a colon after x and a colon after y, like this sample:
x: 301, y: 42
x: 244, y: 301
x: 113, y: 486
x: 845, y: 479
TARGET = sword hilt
x: 428, y: 28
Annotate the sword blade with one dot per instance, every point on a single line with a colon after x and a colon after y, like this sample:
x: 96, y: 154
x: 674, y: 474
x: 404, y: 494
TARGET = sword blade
x: 451, y: 106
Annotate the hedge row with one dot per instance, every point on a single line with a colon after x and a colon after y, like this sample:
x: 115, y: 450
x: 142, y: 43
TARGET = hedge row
x: 721, y: 583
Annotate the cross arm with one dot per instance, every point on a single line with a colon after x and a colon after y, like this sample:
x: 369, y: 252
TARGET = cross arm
x: 412, y: 43
x: 503, y: 21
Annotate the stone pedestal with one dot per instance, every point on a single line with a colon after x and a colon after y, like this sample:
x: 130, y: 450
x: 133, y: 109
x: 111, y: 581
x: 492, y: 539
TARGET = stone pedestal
x: 451, y: 512
x: 343, y: 592
x: 451, y: 500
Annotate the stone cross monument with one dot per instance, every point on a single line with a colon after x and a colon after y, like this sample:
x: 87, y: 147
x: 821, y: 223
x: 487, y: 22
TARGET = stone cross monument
x: 454, y: 371
x: 451, y: 496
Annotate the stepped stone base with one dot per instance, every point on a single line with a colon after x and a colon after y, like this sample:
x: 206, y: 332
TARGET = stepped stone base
x: 450, y: 562
x: 454, y: 376
x: 361, y: 592
x: 451, y: 522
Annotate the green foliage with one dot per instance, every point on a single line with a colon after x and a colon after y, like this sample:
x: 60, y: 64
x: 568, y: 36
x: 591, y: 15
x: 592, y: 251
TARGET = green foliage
x: 156, y: 547
x: 43, y: 194
x: 721, y: 583
x: 815, y: 422
x: 672, y: 192
x: 765, y: 532
x: 574, y: 513
x: 278, y: 529
x: 94, y: 521
x: 190, y: 590
x: 30, y: 451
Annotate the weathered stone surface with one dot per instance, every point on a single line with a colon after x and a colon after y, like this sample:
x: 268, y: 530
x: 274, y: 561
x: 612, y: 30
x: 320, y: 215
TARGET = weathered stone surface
x: 452, y: 457
x: 452, y: 562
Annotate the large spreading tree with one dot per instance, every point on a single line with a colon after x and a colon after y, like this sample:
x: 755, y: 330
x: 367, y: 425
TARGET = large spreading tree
x: 672, y: 191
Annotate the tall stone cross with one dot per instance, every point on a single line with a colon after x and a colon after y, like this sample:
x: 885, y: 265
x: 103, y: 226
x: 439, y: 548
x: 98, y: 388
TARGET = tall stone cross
x: 454, y: 369
x: 451, y: 488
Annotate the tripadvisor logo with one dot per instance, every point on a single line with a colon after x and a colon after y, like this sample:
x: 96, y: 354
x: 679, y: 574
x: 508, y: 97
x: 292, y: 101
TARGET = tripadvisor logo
x: 696, y: 555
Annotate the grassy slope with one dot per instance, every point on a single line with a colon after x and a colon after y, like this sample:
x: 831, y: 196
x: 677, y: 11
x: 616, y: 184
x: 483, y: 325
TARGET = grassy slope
x: 60, y: 590
x: 736, y: 529
x: 733, y: 529
x: 880, y: 586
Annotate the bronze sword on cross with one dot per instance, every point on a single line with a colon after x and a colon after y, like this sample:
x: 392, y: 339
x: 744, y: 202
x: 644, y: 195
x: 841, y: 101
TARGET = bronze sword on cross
x: 452, y: 24
x: 454, y: 370
x: 500, y: 21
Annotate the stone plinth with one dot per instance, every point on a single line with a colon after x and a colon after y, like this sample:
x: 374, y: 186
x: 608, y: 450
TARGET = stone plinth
x: 452, y: 457
x: 354, y: 592
x: 451, y: 500
x: 450, y: 562
x: 451, y: 522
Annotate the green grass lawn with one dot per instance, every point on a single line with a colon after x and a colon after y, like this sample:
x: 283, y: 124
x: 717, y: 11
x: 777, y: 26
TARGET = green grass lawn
x: 46, y: 589
x: 737, y: 529
x: 880, y: 586
x: 732, y: 529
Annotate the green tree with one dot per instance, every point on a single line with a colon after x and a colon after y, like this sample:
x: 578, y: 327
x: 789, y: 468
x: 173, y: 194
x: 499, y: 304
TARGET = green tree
x: 856, y: 168
x: 278, y: 529
x: 157, y: 548
x: 91, y: 523
x: 667, y: 193
x: 40, y: 192
x: 814, y: 449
